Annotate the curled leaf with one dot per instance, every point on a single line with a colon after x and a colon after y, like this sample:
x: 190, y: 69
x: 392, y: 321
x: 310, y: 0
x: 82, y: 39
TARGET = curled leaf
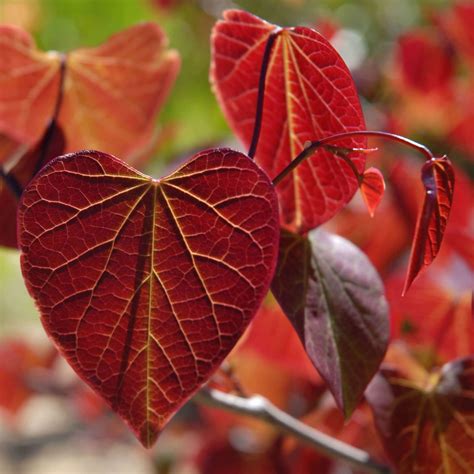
x: 438, y: 179
x: 335, y: 300
x: 309, y: 95
x: 145, y: 285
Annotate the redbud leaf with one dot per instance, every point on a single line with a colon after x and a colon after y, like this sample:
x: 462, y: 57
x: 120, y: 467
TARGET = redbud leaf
x: 427, y: 425
x: 309, y: 95
x: 372, y: 188
x: 110, y: 96
x: 145, y: 285
x: 334, y: 298
x: 438, y: 179
x: 29, y: 84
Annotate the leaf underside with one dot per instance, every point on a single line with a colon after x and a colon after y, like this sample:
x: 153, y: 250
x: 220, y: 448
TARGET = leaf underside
x: 309, y: 95
x: 146, y: 285
x: 111, y: 93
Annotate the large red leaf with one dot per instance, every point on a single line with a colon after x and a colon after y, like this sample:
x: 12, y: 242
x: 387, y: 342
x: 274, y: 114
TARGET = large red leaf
x: 438, y: 179
x: 145, y: 285
x: 309, y: 95
x: 427, y: 425
x: 24, y: 165
x: 111, y: 93
x: 334, y: 298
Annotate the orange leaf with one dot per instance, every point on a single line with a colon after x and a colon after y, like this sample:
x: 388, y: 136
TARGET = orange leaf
x: 113, y: 92
x: 372, y: 188
x: 29, y: 84
x: 110, y: 94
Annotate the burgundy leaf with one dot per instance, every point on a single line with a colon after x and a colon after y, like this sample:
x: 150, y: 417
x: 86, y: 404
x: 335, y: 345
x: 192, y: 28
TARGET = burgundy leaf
x: 25, y: 167
x: 334, y: 298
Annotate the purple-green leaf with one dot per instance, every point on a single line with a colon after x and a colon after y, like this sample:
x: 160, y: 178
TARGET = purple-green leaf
x: 335, y: 300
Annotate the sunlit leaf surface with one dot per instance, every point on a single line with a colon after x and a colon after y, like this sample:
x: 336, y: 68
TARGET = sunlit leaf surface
x: 309, y: 95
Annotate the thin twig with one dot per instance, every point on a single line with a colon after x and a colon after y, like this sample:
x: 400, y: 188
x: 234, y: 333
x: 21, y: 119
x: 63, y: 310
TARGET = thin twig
x: 261, y: 91
x: 259, y: 407
x: 313, y: 146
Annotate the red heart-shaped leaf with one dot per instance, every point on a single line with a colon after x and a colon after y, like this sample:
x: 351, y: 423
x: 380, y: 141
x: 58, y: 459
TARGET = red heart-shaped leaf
x: 309, y: 95
x: 145, y: 285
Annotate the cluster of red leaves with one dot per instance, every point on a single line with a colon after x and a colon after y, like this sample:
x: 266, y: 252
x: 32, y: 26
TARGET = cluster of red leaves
x: 145, y: 285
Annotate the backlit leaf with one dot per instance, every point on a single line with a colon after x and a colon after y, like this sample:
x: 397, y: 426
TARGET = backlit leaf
x: 309, y: 95
x: 438, y: 179
x: 334, y: 298
x: 427, y: 426
x: 372, y: 188
x: 111, y: 93
x: 145, y: 285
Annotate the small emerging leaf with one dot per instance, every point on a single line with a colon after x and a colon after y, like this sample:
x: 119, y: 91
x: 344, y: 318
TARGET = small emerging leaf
x: 427, y: 425
x: 145, y: 285
x: 372, y: 188
x: 334, y: 298
x: 438, y: 179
